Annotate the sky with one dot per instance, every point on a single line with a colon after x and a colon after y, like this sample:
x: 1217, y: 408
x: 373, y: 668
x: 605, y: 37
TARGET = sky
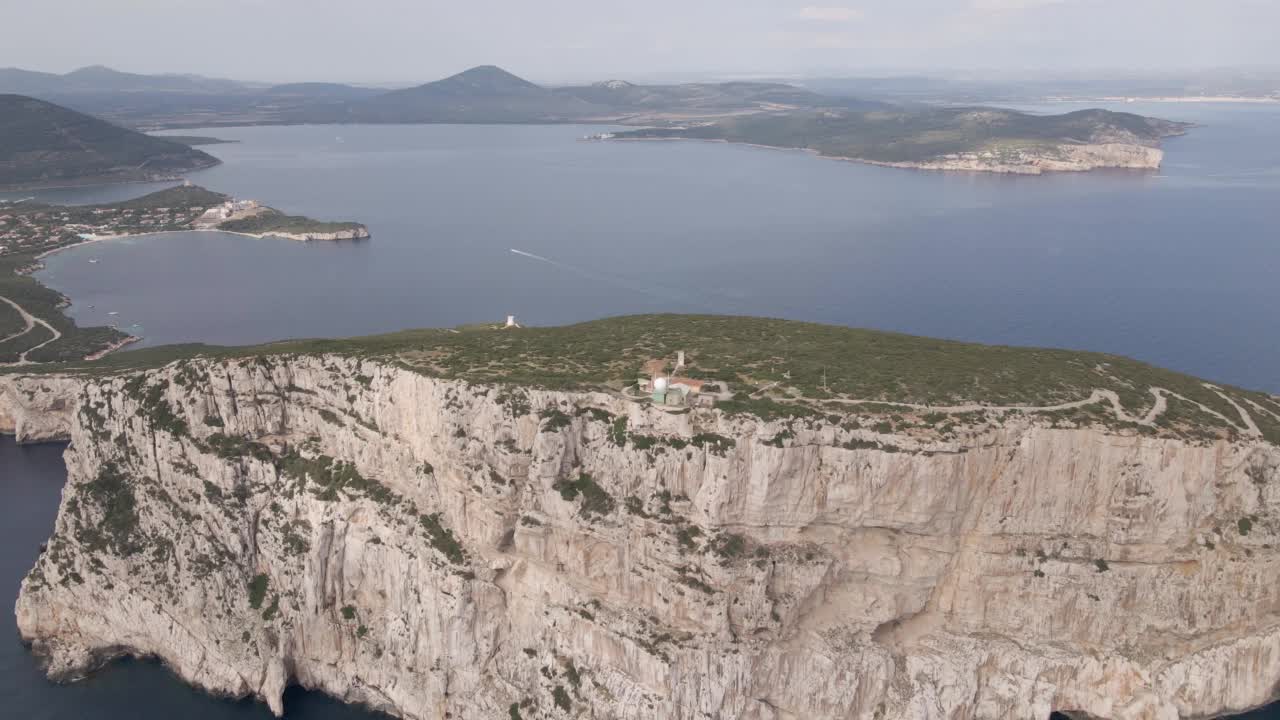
x: 373, y: 41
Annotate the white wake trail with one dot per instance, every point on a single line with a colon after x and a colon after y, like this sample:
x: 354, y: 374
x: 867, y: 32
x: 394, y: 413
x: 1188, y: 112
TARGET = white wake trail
x: 535, y: 257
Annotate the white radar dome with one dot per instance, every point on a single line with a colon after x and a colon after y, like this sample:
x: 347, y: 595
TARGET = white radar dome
x: 660, y: 384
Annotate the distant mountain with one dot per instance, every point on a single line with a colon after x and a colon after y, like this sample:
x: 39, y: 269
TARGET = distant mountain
x: 489, y: 94
x: 100, y: 79
x: 485, y: 94
x: 321, y: 90
x: 728, y: 97
x: 27, y: 82
x: 43, y: 145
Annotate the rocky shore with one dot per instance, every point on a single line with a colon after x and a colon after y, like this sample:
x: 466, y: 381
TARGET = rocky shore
x: 1065, y: 158
x: 359, y: 233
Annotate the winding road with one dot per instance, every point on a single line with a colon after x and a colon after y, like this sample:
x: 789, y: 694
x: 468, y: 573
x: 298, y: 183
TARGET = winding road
x: 31, y: 321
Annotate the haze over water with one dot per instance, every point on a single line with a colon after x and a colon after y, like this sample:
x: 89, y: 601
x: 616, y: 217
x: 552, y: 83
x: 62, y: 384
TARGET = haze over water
x: 1179, y: 268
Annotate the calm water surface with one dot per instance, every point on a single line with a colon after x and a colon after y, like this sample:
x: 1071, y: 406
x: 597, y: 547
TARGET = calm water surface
x: 1178, y: 268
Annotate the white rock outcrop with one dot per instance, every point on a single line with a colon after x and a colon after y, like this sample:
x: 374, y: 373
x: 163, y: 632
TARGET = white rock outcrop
x: 434, y: 549
x: 1036, y: 161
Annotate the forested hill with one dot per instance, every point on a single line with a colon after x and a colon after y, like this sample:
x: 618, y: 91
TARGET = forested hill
x: 43, y: 145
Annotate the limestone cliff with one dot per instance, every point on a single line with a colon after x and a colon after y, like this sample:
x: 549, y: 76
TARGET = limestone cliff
x: 433, y: 549
x: 1036, y: 161
x: 359, y: 233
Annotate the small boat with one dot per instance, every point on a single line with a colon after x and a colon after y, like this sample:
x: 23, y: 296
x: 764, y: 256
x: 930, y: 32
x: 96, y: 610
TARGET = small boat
x: 113, y: 312
x: 90, y: 307
x: 93, y: 261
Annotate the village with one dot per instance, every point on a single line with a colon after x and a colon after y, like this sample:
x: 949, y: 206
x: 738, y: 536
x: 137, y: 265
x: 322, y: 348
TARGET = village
x: 30, y: 227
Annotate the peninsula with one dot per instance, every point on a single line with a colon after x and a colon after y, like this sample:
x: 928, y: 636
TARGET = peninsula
x: 974, y: 139
x: 500, y: 522
x: 33, y: 327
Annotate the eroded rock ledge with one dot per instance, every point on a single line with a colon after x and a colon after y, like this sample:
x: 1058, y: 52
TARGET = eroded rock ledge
x: 433, y: 549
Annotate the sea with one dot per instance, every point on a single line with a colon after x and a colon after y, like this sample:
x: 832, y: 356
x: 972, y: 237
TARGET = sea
x: 1178, y: 267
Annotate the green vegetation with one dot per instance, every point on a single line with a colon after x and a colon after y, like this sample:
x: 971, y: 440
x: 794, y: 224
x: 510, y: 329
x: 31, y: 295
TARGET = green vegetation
x: 349, y: 612
x: 10, y: 321
x: 796, y: 368
x: 117, y: 529
x: 595, y: 500
x: 42, y: 145
x: 230, y: 447
x: 258, y: 590
x: 561, y: 698
x: 921, y: 135
x: 443, y: 539
x: 326, y: 477
x: 181, y: 196
x: 272, y: 221
x: 618, y: 431
x: 1244, y: 525
x: 155, y: 407
x: 554, y: 420
x: 45, y: 229
x: 729, y: 546
x: 273, y: 609
x: 571, y: 674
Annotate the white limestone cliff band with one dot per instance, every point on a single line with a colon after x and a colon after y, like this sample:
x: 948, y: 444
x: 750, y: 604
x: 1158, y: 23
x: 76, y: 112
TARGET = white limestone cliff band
x: 1010, y: 573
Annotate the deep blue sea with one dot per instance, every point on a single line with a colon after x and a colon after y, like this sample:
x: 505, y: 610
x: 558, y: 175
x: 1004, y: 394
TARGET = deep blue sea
x: 1179, y: 267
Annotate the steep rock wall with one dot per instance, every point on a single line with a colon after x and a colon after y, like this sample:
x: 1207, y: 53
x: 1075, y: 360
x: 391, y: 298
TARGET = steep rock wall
x: 437, y: 549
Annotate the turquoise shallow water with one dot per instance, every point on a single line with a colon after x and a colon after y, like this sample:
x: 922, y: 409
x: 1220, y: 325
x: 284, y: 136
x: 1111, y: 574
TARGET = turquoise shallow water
x: 1177, y: 268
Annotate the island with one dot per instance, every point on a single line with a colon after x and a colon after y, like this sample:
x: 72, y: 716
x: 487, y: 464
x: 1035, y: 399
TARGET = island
x: 522, y: 522
x: 969, y: 139
x: 33, y: 327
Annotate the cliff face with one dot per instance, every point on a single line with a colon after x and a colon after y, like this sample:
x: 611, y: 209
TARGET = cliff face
x: 437, y: 549
x: 359, y: 233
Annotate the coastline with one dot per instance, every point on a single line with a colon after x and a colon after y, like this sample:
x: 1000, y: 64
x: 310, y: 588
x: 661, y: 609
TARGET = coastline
x: 37, y: 264
x: 126, y: 236
x: 107, y: 181
x: 128, y: 340
x: 1169, y: 99
x: 935, y: 167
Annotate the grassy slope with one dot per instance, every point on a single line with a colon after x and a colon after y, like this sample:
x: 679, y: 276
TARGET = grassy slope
x: 753, y: 352
x: 919, y: 135
x: 10, y: 321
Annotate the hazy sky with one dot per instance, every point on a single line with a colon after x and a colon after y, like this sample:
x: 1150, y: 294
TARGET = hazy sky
x: 564, y: 40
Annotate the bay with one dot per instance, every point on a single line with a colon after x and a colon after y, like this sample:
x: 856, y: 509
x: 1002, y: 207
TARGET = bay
x: 1177, y: 267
